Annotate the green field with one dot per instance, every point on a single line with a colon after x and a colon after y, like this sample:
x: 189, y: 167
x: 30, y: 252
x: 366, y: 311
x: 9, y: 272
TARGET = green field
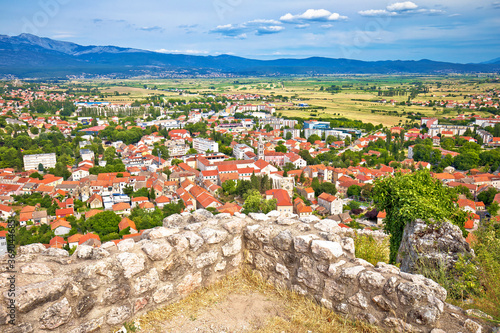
x: 356, y: 100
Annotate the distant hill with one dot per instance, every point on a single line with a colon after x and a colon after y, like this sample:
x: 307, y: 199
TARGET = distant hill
x: 492, y: 61
x: 28, y: 56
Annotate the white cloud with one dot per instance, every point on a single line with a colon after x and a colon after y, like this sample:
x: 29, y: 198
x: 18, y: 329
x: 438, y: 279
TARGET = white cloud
x: 302, y: 26
x: 228, y: 30
x: 312, y: 15
x: 262, y: 21
x: 400, y: 9
x: 239, y: 31
x: 327, y: 26
x: 376, y: 12
x: 402, y: 6
x: 496, y: 4
x: 267, y: 30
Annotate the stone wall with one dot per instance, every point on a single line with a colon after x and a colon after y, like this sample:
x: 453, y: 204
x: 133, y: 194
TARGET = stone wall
x: 97, y: 289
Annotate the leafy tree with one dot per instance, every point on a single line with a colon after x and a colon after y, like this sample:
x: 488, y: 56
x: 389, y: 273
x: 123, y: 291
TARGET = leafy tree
x: 176, y: 161
x: 152, y: 194
x: 34, y: 130
x: 254, y: 203
x: 229, y: 186
x: 173, y: 208
x: 280, y: 148
x: 36, y: 175
x: 103, y: 223
x: 466, y: 161
x: 313, y: 138
x: 288, y: 136
x: 354, y: 190
x: 493, y: 208
x: 488, y: 195
x: 406, y: 197
x: 192, y: 151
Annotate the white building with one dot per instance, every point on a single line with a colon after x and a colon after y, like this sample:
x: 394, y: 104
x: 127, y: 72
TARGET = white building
x: 239, y: 151
x: 87, y: 154
x: 202, y: 145
x: 31, y: 162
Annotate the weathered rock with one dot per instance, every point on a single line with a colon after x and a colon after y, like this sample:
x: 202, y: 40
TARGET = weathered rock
x: 222, y: 216
x: 334, y: 290
x: 283, y: 270
x: 259, y: 217
x: 309, y: 219
x: 478, y: 313
x: 369, y: 280
x: 118, y: 315
x: 21, y: 328
x: 351, y: 273
x: 358, y: 300
x: 326, y: 250
x: 84, y: 305
x: 161, y: 294
x: 232, y: 248
x: 383, y: 303
x: 173, y: 221
x: 424, y: 315
x: 431, y: 245
x: 52, y: 252
x: 193, y: 226
x: 140, y: 303
x: 327, y: 225
x: 283, y: 240
x: 157, y: 250
x: 89, y: 252
x: 189, y: 283
x: 36, y: 269
x: 212, y: 236
x: 161, y: 232
x: 472, y: 326
x: 131, y: 263
x: 116, y: 293
x: 303, y: 242
x: 234, y: 226
x: 180, y: 242
x: 56, y: 315
x: 146, y: 282
x: 206, y: 259
x: 32, y: 295
x: 91, y: 326
x: 220, y: 266
x: 31, y: 249
x: 195, y: 241
x: 126, y: 245
x: 348, y: 245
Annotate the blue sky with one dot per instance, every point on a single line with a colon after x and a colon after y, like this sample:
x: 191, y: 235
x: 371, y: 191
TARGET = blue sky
x: 443, y: 30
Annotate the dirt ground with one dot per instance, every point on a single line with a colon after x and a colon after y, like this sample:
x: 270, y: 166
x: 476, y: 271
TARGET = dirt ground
x: 238, y: 313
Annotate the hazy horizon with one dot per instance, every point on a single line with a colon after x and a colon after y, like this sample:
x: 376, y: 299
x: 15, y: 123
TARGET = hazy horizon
x: 449, y: 31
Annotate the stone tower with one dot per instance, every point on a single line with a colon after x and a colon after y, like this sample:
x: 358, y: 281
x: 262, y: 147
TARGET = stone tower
x: 260, y: 150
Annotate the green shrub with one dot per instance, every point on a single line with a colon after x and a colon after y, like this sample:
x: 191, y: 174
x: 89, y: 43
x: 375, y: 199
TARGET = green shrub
x: 370, y: 249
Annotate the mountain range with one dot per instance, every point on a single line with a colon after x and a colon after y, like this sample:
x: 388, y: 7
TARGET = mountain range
x: 30, y: 56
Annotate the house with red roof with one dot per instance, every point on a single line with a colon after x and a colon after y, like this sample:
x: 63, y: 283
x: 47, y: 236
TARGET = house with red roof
x: 283, y: 202
x: 60, y: 227
x: 90, y: 239
x: 331, y: 203
x: 127, y: 223
x: 95, y: 201
x: 300, y: 208
x: 122, y: 208
x: 230, y: 207
x: 57, y: 242
x: 73, y: 240
x: 6, y: 212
